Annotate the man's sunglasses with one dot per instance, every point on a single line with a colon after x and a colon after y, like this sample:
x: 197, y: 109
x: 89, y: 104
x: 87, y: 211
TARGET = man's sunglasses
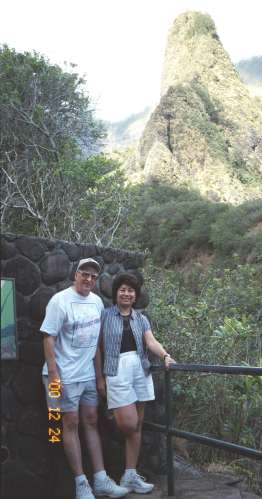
x: 87, y: 275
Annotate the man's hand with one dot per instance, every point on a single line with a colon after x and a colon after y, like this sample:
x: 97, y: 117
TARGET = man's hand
x: 101, y: 386
x: 54, y: 382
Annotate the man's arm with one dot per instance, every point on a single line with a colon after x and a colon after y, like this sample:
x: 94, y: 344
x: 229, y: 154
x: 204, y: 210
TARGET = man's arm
x: 49, y: 351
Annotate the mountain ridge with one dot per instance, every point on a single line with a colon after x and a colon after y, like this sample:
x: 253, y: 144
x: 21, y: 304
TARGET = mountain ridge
x: 119, y: 131
x: 206, y: 131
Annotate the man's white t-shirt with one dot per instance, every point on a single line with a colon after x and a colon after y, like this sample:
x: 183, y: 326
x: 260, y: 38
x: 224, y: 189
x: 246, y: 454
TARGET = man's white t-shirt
x: 75, y: 321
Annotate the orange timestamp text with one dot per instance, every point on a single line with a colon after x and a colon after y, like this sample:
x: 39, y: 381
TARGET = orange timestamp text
x: 54, y: 414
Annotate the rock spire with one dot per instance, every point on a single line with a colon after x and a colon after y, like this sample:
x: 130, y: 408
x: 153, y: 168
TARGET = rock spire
x: 206, y: 132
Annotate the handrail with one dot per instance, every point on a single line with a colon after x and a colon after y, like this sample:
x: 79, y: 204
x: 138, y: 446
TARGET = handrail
x: 171, y: 431
x: 241, y: 370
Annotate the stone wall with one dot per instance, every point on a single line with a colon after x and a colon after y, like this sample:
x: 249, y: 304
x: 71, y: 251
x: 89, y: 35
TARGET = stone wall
x: 40, y: 267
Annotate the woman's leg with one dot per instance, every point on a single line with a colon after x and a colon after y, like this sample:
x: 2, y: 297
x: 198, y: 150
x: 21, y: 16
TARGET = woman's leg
x: 130, y: 420
x: 133, y: 442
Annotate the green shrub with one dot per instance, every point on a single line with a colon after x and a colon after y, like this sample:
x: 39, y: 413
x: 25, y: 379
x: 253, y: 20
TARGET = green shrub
x: 169, y: 222
x: 213, y: 317
x: 238, y: 230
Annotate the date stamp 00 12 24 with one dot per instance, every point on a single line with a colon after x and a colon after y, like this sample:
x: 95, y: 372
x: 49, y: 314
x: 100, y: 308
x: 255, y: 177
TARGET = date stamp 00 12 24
x: 54, y: 414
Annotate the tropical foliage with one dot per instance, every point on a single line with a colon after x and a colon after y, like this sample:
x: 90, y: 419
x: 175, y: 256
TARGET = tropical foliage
x: 214, y: 317
x: 204, y: 273
x: 49, y: 134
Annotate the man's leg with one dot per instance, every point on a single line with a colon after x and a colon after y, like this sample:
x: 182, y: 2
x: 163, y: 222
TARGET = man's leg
x: 103, y: 484
x: 71, y: 442
x: 88, y: 417
x: 72, y: 449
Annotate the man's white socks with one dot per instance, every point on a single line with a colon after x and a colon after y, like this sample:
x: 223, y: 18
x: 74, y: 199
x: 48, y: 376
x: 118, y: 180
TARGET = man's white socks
x: 79, y: 479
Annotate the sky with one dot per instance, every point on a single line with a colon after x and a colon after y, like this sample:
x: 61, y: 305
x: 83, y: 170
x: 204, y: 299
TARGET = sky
x: 119, y: 45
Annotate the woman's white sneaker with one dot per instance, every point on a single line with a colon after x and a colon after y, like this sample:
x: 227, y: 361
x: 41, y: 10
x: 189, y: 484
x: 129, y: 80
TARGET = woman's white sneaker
x: 108, y: 487
x: 136, y: 483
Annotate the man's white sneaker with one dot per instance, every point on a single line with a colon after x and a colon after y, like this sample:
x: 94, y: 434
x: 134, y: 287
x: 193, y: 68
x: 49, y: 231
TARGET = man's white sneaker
x: 108, y: 487
x: 84, y: 491
x: 136, y: 483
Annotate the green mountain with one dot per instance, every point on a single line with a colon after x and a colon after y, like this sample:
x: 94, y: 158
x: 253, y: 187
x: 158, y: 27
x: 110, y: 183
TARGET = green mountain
x: 206, y: 132
x: 250, y: 71
x: 127, y: 132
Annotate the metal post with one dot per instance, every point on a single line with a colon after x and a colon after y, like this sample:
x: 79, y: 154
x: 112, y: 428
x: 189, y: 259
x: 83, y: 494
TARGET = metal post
x: 169, y: 447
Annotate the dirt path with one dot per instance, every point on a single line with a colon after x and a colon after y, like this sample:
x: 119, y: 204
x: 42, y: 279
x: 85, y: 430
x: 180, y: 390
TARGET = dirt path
x: 203, y: 485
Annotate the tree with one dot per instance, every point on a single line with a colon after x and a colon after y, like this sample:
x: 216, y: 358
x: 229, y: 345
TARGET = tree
x: 43, y: 108
x: 48, y: 134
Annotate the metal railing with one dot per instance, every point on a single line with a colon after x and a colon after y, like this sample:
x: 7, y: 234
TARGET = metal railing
x: 171, y: 431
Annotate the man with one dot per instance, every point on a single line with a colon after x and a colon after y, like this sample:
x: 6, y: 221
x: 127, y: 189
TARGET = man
x: 71, y: 329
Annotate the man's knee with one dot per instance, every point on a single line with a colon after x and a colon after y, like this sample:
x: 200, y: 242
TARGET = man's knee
x: 89, y: 415
x: 70, y: 421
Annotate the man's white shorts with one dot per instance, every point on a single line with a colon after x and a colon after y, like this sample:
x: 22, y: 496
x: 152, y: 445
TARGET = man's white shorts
x: 72, y: 395
x: 130, y: 384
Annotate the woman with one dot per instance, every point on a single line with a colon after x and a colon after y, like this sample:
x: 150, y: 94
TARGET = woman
x: 125, y: 337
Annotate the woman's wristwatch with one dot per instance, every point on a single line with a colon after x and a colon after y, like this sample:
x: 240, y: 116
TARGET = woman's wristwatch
x: 166, y: 355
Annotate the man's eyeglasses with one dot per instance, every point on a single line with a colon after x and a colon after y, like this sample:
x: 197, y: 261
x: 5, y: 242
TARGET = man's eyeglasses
x: 87, y: 275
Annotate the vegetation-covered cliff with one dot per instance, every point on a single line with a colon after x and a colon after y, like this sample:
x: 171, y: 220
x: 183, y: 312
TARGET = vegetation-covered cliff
x: 127, y: 132
x: 206, y: 132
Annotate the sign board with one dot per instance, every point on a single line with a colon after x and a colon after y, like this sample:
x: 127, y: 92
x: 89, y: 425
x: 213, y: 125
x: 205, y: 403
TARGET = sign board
x: 8, y: 320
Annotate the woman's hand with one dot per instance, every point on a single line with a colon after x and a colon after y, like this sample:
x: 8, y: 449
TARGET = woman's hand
x: 168, y: 361
x: 101, y: 386
x: 155, y: 347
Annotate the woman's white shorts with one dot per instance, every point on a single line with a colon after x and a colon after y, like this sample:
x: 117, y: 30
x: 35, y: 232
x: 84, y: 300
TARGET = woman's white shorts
x: 130, y: 384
